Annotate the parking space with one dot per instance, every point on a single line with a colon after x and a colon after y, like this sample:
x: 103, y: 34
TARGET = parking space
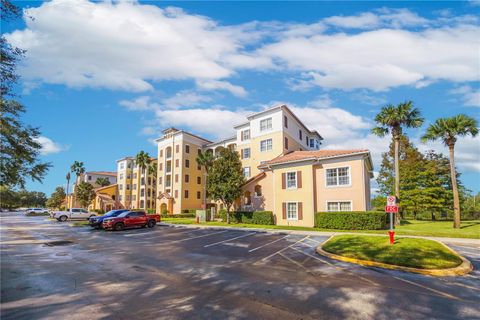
x: 205, y: 273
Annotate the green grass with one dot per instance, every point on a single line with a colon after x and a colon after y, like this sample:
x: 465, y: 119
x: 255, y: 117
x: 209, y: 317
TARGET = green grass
x: 407, y: 252
x: 80, y: 224
x: 469, y: 229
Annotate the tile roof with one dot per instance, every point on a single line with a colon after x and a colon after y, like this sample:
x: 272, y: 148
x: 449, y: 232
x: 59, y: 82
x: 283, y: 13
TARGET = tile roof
x: 103, y: 173
x: 313, y: 155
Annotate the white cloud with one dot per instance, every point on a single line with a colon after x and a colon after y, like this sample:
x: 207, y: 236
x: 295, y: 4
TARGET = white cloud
x: 385, y: 17
x: 470, y: 96
x: 123, y: 45
x: 138, y: 104
x: 49, y: 146
x: 222, y: 85
x: 380, y: 59
x: 185, y: 99
x: 361, y: 21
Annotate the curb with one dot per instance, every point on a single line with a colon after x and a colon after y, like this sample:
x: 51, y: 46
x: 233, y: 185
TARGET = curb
x: 464, y: 268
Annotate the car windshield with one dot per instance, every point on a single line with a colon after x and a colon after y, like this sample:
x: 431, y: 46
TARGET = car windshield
x: 113, y: 213
x: 123, y: 214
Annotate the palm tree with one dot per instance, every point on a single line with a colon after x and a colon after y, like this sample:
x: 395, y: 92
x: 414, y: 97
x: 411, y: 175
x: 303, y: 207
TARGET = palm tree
x: 78, y: 168
x: 142, y: 160
x: 152, y: 170
x: 447, y: 130
x: 103, y: 182
x: 68, y: 184
x: 392, y: 119
x: 205, y: 159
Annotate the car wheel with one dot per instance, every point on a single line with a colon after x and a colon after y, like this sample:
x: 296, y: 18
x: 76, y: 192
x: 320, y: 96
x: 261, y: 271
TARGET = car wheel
x: 151, y: 223
x: 63, y: 218
x: 119, y: 226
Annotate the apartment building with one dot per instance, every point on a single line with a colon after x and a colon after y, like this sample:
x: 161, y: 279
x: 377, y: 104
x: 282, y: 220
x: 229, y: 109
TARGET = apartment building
x: 286, y: 171
x: 180, y: 180
x: 92, y: 176
x: 136, y: 187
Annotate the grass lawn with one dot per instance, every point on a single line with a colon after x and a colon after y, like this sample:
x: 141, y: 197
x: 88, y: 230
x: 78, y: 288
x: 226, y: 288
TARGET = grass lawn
x: 408, y: 252
x: 469, y: 229
x: 80, y: 224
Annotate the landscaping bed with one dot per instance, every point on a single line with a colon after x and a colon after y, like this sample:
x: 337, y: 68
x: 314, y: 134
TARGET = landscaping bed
x: 406, y: 252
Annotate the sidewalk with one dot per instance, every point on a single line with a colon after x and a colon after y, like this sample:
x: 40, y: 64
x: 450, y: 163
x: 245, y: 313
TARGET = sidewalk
x: 458, y: 241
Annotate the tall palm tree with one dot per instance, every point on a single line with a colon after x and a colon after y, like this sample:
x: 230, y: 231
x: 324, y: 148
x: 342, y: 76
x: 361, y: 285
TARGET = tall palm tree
x: 68, y: 184
x: 205, y: 160
x: 78, y: 168
x: 392, y: 119
x: 447, y: 130
x: 142, y: 160
x: 103, y: 182
x: 152, y: 170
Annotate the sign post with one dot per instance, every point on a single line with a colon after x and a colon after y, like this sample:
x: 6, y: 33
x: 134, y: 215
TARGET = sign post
x: 391, y: 208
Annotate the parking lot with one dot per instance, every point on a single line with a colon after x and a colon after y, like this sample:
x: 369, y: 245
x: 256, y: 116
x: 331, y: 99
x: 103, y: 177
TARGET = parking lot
x: 51, y: 270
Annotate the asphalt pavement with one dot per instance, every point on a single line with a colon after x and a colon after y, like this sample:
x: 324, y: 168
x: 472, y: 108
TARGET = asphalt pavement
x: 51, y: 270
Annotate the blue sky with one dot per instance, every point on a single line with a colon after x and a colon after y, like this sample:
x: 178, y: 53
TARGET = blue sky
x: 103, y: 79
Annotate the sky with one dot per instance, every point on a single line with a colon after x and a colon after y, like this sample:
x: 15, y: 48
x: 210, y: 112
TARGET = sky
x: 102, y: 79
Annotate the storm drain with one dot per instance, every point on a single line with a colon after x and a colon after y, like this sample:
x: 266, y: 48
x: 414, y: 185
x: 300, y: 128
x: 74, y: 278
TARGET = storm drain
x: 59, y: 243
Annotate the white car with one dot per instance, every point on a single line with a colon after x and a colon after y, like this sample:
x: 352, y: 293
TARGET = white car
x: 36, y: 210
x: 73, y: 214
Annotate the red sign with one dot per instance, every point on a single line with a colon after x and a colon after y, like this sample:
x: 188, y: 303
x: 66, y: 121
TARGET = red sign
x: 392, y: 209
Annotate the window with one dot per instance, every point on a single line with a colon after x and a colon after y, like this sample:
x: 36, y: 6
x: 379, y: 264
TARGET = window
x: 187, y: 163
x: 160, y: 166
x: 120, y: 197
x: 176, y: 193
x: 127, y: 197
x: 199, y: 194
x: 266, y: 145
x: 149, y: 181
x: 292, y: 211
x: 246, y: 172
x: 339, y: 206
x: 246, y: 153
x: 129, y: 166
x: 286, y: 143
x: 291, y: 180
x: 135, y: 186
x: 134, y: 197
x: 176, y: 178
x: 89, y: 177
x: 300, y: 135
x: 199, y: 167
x: 176, y: 163
x: 199, y: 180
x: 122, y: 165
x: 128, y: 186
x: 285, y: 121
x: 258, y: 190
x: 121, y: 176
x: 266, y: 124
x: 187, y: 178
x: 142, y: 203
x: 338, y: 177
x: 120, y: 187
x: 142, y: 192
x: 312, y: 143
x: 161, y: 154
x: 186, y: 194
x: 177, y: 148
x: 245, y: 135
x: 306, y: 141
x: 129, y: 176
x: 187, y: 148
x: 160, y: 180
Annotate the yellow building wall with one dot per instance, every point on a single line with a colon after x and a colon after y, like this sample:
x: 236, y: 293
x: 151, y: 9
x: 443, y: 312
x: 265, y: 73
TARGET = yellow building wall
x: 109, y: 190
x: 256, y: 156
x: 265, y: 201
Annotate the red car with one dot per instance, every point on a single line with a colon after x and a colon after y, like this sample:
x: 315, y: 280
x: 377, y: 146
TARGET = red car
x: 131, y: 219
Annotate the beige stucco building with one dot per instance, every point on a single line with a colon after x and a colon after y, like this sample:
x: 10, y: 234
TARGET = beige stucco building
x: 286, y: 171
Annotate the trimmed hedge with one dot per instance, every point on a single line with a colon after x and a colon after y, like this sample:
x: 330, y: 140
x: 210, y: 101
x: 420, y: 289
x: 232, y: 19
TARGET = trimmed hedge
x: 99, y: 211
x: 180, y: 215
x: 351, y: 220
x: 255, y: 217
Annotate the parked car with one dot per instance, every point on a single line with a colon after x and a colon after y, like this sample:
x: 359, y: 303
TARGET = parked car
x: 73, y: 214
x: 96, y: 222
x: 36, y: 211
x: 131, y: 219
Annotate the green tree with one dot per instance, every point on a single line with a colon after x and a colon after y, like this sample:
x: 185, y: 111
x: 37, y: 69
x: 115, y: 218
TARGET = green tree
x: 78, y: 168
x: 142, y: 160
x: 205, y: 160
x: 392, y: 119
x: 56, y: 198
x: 448, y: 130
x: 103, y: 182
x: 68, y: 185
x: 19, y: 146
x: 8, y: 198
x: 225, y: 179
x: 85, y: 193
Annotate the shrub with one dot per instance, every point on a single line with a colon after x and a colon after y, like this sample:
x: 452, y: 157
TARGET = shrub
x: 351, y: 220
x: 151, y: 211
x: 263, y: 217
x: 36, y: 214
x: 164, y: 212
x: 222, y: 214
x: 99, y: 211
x: 193, y: 211
x: 181, y: 215
x: 251, y: 217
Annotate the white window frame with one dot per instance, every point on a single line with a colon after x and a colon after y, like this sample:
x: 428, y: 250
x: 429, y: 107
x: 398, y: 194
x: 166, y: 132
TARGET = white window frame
x: 286, y: 180
x: 249, y: 172
x: 296, y: 211
x: 244, y: 134
x: 122, y: 165
x: 338, y: 202
x: 121, y: 176
x: 338, y: 179
x: 243, y: 153
x: 271, y: 145
x: 268, y: 124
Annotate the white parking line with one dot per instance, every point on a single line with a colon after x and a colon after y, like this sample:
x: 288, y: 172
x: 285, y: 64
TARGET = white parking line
x: 205, y: 235
x: 444, y: 294
x: 276, y: 252
x: 219, y: 242
x: 254, y: 249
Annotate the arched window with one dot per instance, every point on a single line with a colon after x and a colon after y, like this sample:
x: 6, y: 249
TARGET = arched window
x: 247, y: 198
x: 258, y: 190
